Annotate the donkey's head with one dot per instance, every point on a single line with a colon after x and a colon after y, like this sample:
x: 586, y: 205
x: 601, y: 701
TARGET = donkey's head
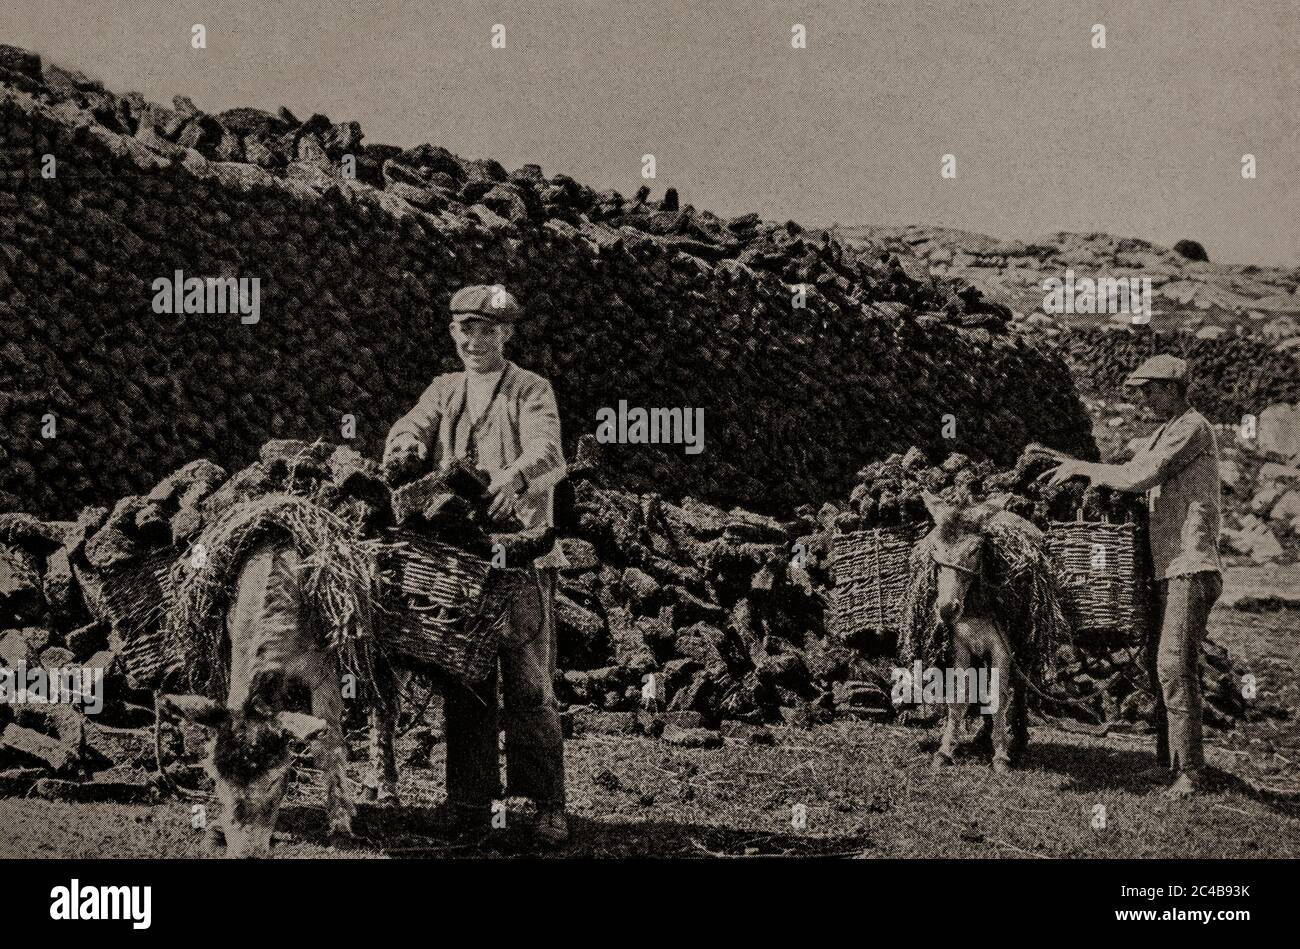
x: 957, y: 545
x: 249, y: 757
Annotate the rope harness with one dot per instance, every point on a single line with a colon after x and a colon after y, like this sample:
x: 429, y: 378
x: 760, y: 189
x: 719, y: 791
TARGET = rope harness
x: 972, y: 569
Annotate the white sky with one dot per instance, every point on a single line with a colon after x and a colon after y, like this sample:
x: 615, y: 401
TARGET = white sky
x: 1144, y: 138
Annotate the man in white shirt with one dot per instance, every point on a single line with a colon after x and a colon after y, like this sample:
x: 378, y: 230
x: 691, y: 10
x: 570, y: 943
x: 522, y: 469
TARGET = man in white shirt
x: 502, y: 419
x: 1178, y: 468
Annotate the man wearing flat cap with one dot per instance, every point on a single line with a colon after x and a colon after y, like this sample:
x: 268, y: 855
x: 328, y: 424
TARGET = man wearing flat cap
x: 503, y: 420
x: 1178, y: 468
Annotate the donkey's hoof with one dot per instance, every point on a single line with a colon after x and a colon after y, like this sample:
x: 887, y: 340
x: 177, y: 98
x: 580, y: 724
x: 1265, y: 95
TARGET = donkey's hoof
x: 341, y: 840
x: 341, y: 834
x: 1001, y: 766
x: 214, y: 841
x: 341, y: 824
x: 941, y: 759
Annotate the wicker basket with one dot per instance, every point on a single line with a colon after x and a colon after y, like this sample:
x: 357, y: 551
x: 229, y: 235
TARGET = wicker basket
x: 1102, y: 574
x: 136, y: 598
x: 446, y: 608
x: 870, y: 572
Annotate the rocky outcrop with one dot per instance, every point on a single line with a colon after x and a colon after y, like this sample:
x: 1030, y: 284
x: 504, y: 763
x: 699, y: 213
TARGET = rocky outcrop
x: 1239, y: 325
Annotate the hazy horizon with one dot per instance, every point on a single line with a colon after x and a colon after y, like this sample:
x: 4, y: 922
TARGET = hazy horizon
x: 1141, y: 139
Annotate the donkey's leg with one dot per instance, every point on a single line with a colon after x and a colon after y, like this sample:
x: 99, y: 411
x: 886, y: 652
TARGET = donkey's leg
x: 1018, y: 721
x: 1000, y: 664
x: 982, y: 743
x: 214, y: 836
x: 331, y: 754
x: 962, y: 658
x: 943, y: 756
x: 381, y: 776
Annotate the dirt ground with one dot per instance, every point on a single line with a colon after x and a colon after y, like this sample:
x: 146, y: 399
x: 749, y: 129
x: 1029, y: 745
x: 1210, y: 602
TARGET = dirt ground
x: 851, y: 788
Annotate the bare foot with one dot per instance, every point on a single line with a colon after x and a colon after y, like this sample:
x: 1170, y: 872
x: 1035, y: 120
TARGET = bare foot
x: 1184, y: 786
x: 1001, y: 766
x: 941, y: 759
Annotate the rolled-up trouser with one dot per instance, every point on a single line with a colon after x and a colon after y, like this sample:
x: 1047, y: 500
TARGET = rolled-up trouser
x: 1184, y: 609
x: 534, y: 742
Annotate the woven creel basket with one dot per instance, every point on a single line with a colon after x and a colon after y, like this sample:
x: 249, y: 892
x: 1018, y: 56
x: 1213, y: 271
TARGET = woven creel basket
x: 444, y: 607
x: 137, y: 596
x: 869, y: 570
x: 1101, y: 573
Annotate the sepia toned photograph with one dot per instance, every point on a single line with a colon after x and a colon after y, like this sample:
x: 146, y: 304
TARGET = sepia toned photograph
x: 765, y: 434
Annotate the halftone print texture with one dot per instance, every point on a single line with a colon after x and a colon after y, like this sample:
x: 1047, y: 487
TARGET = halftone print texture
x: 613, y: 430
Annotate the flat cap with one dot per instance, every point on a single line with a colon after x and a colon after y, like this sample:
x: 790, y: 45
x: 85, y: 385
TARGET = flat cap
x: 492, y: 302
x: 1159, y: 367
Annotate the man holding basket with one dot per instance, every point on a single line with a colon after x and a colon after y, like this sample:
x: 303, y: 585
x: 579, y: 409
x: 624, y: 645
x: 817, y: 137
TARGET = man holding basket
x: 1178, y: 469
x: 502, y: 420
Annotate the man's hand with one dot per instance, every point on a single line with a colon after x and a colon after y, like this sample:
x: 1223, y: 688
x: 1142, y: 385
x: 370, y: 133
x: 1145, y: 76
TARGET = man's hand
x: 406, y: 444
x: 503, y: 491
x: 1064, y: 472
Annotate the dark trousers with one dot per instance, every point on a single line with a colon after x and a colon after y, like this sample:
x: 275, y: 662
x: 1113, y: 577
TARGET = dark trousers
x: 534, y: 744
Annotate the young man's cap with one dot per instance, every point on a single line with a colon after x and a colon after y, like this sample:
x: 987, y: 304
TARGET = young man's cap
x: 487, y: 302
x: 1159, y: 367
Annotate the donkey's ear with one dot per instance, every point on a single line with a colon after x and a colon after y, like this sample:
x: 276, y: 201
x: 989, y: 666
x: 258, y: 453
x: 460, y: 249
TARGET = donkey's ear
x: 935, y: 505
x: 300, y: 726
x: 195, y: 708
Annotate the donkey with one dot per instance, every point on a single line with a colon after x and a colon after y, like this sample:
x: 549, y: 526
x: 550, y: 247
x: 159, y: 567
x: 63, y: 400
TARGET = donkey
x: 956, y: 547
x: 273, y: 646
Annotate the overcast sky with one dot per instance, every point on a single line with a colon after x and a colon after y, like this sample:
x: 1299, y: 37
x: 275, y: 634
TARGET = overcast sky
x: 1143, y: 138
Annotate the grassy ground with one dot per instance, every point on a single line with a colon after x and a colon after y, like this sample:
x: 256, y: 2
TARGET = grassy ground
x: 862, y: 789
x: 865, y: 790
